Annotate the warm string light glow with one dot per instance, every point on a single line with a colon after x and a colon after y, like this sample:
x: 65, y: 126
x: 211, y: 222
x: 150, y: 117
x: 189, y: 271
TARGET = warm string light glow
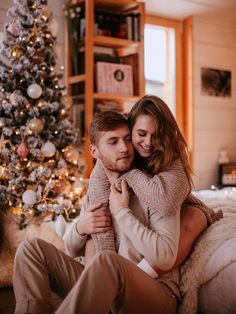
x: 40, y: 165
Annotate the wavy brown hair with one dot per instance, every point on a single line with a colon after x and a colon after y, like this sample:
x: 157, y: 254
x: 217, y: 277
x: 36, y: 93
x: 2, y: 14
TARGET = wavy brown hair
x: 170, y: 143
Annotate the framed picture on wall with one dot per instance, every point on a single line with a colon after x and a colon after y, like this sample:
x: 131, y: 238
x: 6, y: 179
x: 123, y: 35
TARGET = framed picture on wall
x: 215, y: 82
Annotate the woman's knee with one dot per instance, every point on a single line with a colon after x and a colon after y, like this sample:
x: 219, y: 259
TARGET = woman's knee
x: 193, y: 220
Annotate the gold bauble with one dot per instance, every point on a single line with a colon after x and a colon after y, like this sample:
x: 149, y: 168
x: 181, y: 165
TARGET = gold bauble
x: 67, y: 101
x: 71, y: 154
x: 16, y: 210
x: 36, y: 125
x: 16, y: 52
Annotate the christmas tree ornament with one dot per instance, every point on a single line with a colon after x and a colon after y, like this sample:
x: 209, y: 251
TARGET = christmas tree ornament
x: 29, y: 197
x: 36, y: 125
x: 16, y: 210
x: 71, y: 154
x: 34, y: 91
x: 67, y: 101
x: 16, y: 52
x: 22, y: 151
x: 60, y: 226
x: 48, y: 149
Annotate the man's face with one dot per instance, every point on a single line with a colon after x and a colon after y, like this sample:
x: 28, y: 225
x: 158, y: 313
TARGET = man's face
x: 115, y: 150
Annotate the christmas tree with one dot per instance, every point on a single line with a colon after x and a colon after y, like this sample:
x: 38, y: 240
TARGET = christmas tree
x: 40, y: 165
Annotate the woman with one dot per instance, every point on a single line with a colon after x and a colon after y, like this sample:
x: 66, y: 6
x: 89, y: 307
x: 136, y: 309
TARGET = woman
x: 162, y: 178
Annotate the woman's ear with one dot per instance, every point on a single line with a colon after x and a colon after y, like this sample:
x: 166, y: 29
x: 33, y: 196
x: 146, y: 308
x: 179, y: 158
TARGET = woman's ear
x: 94, y: 151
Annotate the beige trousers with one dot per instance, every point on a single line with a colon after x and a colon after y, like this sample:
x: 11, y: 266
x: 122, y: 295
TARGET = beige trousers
x: 109, y: 281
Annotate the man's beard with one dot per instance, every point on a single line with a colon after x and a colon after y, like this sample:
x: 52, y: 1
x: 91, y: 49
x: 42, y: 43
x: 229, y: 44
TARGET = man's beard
x: 118, y: 167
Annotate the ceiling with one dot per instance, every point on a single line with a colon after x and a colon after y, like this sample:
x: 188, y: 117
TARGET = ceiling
x: 180, y: 9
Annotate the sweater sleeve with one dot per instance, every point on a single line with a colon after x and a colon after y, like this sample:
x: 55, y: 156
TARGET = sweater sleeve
x: 75, y: 242
x: 165, y: 191
x: 99, y: 191
x: 158, y: 242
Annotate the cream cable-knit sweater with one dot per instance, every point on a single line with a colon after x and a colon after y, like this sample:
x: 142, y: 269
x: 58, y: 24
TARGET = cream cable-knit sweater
x: 165, y: 192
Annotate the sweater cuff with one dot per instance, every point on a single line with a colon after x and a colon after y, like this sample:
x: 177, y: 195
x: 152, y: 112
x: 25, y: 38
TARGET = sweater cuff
x: 122, y: 212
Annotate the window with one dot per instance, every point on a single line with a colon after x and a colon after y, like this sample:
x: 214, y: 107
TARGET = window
x: 159, y: 63
x: 163, y: 63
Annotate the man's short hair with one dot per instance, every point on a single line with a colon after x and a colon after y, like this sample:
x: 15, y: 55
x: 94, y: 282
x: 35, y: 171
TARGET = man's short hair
x: 105, y: 121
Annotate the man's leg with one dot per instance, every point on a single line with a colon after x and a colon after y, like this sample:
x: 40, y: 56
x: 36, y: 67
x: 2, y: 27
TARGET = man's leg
x: 110, y: 281
x: 40, y: 268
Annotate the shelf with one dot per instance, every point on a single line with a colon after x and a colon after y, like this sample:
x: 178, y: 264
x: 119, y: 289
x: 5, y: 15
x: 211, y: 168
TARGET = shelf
x: 113, y: 42
x: 76, y: 79
x: 115, y: 97
x: 117, y: 5
x: 125, y: 51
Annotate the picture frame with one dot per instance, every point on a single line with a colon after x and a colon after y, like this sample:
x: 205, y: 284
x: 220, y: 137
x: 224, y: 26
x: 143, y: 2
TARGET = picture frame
x: 216, y: 82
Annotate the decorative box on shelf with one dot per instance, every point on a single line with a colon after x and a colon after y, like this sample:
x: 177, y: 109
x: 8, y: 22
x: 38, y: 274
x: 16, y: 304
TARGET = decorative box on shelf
x: 227, y: 174
x: 114, y: 78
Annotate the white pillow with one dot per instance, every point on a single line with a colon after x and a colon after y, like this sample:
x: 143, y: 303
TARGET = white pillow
x: 218, y: 294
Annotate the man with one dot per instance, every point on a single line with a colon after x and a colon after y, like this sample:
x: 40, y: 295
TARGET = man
x: 110, y: 280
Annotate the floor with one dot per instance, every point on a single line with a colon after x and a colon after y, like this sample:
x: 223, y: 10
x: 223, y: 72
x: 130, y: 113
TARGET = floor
x: 7, y: 301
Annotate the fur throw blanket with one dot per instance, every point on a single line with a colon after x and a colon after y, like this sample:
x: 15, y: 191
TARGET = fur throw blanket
x: 192, y: 272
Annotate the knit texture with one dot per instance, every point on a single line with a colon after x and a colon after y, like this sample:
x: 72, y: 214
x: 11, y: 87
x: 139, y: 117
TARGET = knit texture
x: 164, y: 192
x: 99, y: 191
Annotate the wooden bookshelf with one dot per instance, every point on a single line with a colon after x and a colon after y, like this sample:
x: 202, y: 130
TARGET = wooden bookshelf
x: 81, y: 82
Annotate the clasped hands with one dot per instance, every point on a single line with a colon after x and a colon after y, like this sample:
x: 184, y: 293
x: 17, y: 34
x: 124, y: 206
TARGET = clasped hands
x: 95, y: 220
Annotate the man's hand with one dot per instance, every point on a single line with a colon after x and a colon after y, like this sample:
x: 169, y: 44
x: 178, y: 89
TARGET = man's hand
x: 94, y: 220
x: 118, y: 200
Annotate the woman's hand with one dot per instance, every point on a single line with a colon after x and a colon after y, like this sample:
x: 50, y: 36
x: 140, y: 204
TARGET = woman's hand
x: 118, y: 200
x: 94, y: 220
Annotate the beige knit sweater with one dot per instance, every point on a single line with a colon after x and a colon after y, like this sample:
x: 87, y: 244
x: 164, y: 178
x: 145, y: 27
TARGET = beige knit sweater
x: 165, y: 192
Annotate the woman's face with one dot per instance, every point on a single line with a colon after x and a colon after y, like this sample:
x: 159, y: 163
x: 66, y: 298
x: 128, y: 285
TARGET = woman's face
x: 144, y: 135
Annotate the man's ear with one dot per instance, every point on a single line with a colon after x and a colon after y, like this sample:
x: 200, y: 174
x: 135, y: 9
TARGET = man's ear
x: 94, y: 151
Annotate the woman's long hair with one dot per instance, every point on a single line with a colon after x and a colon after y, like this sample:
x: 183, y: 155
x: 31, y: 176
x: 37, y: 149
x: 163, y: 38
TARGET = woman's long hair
x: 170, y: 143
